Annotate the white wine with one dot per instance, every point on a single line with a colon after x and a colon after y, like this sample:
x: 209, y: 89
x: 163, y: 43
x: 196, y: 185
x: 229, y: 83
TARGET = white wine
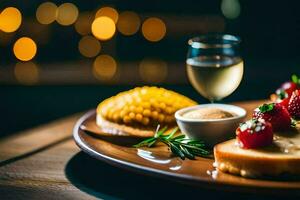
x: 215, y: 77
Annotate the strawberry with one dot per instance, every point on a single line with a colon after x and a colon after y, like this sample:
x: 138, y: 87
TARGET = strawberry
x: 294, y: 104
x: 289, y: 87
x: 274, y: 113
x: 284, y: 102
x: 254, y: 133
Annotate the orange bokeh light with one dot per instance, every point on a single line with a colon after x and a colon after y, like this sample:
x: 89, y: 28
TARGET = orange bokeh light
x: 154, y: 29
x: 46, y: 13
x: 25, y: 49
x: 103, y: 28
x: 104, y: 67
x: 128, y: 23
x: 10, y: 19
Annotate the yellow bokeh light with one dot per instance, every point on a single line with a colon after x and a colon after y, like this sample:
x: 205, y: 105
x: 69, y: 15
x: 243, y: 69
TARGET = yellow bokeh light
x: 25, y: 49
x: 83, y: 23
x: 103, y: 28
x: 108, y: 12
x: 153, y: 70
x: 26, y: 73
x: 46, y: 13
x: 104, y: 67
x: 154, y: 29
x: 67, y: 14
x: 128, y: 23
x: 10, y: 19
x: 89, y: 46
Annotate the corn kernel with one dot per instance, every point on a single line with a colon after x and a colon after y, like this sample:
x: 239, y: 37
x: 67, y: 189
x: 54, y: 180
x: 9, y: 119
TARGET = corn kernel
x: 132, y: 108
x: 138, y: 117
x: 169, y: 110
x: 169, y: 118
x: 146, y: 113
x: 145, y: 120
x: 126, y: 119
x: 139, y: 109
x: 146, y: 105
x: 161, y: 118
x: 115, y: 117
x: 154, y: 115
x: 123, y: 113
x: 131, y: 115
x: 162, y: 105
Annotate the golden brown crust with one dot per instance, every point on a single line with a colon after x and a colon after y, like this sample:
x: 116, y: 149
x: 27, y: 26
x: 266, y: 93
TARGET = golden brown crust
x: 252, y: 163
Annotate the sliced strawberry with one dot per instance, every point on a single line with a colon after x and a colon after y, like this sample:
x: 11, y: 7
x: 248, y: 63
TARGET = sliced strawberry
x: 294, y: 104
x: 254, y: 133
x: 274, y: 113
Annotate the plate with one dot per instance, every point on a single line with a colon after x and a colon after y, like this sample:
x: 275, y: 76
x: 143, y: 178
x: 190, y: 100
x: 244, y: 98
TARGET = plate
x: 158, y: 161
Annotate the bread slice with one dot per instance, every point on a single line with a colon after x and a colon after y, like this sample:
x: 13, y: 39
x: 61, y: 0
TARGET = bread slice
x: 282, y: 157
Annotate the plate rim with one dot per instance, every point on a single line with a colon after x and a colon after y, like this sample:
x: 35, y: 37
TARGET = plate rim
x: 183, y: 178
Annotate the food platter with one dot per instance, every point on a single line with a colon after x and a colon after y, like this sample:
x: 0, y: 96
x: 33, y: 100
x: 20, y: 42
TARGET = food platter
x: 158, y: 161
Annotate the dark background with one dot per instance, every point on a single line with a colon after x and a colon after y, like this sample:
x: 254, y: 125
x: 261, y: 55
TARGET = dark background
x: 270, y: 31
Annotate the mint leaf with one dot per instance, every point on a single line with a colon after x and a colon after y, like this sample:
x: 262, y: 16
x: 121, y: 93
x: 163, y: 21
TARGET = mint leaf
x: 281, y: 94
x: 266, y: 107
x: 295, y: 79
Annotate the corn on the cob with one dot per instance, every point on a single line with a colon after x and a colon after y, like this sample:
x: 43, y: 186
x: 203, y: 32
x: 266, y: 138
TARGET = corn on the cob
x: 143, y: 106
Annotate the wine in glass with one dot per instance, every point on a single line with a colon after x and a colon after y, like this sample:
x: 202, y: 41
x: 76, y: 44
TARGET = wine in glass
x: 214, y: 65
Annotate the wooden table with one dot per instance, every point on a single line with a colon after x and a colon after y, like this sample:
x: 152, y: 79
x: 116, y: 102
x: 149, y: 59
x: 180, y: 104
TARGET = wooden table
x: 44, y: 162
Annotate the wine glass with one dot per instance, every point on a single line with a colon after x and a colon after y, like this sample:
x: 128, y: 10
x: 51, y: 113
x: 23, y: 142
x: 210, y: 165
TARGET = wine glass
x: 214, y: 65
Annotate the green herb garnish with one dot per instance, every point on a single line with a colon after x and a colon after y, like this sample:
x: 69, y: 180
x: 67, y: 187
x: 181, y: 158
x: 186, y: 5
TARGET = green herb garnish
x: 266, y: 107
x: 295, y: 79
x: 281, y: 94
x: 293, y: 123
x: 179, y: 144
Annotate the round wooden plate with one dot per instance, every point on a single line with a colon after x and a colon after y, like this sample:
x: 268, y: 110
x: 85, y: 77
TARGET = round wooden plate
x: 158, y: 161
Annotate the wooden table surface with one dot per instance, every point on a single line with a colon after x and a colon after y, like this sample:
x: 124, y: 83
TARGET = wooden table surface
x: 44, y: 162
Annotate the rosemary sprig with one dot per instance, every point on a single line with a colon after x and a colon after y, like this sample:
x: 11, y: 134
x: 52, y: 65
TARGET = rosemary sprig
x: 179, y: 144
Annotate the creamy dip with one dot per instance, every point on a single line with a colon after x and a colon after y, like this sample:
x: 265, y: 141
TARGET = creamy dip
x: 208, y: 113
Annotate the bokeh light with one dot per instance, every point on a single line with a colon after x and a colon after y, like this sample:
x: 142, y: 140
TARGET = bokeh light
x: 67, y: 14
x: 104, y: 67
x: 89, y: 46
x: 108, y: 12
x: 26, y: 73
x: 83, y: 23
x: 128, y: 23
x: 103, y: 28
x: 153, y: 70
x: 230, y: 8
x: 154, y: 29
x: 46, y: 13
x: 25, y: 49
x: 10, y: 19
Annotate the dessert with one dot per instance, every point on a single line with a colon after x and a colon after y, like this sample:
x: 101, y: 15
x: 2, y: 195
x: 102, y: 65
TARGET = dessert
x: 282, y: 157
x: 269, y: 143
x: 138, y: 111
x: 274, y: 113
